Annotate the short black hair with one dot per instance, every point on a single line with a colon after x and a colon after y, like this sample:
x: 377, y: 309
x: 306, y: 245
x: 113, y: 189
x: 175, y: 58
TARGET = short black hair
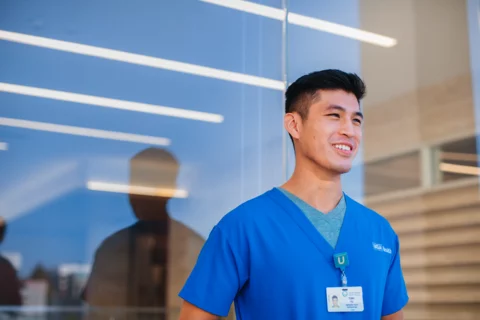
x: 334, y: 297
x: 299, y: 94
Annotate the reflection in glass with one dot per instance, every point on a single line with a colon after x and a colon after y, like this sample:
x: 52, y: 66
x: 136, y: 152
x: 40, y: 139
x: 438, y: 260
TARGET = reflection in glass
x: 139, y: 268
x: 9, y: 282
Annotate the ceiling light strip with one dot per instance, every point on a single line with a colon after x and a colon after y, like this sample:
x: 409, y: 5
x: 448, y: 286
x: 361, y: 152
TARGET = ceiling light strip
x: 139, y: 59
x: 341, y: 30
x: 84, y: 132
x: 307, y: 22
x: 250, y: 7
x: 110, y: 103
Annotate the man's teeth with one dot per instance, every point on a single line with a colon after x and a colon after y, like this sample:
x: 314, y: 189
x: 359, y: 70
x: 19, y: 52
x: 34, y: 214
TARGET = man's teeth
x: 342, y: 147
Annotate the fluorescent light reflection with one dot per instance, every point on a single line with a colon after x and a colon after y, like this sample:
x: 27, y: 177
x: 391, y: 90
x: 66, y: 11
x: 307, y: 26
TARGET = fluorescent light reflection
x: 110, y: 103
x: 84, y: 132
x: 341, y: 30
x: 250, y: 7
x: 307, y: 22
x: 139, y: 59
x: 139, y: 190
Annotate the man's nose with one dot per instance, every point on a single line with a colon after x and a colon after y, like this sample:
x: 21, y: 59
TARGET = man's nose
x: 347, y: 128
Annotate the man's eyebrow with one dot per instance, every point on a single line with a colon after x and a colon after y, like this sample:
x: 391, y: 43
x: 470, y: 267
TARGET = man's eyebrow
x: 342, y: 109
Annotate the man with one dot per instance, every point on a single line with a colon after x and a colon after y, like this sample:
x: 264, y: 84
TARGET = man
x: 282, y: 254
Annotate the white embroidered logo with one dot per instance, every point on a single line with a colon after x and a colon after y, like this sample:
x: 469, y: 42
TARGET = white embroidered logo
x: 380, y: 247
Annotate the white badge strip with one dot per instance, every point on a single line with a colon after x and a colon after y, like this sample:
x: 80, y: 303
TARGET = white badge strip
x: 345, y: 299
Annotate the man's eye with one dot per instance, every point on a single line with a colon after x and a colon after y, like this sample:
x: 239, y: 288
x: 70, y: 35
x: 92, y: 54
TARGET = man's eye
x: 358, y: 121
x: 336, y: 115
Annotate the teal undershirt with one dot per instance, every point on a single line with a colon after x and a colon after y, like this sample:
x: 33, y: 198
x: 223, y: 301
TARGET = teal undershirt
x: 328, y: 225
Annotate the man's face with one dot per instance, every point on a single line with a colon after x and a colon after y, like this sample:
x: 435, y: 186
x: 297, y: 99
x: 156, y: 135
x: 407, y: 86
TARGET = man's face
x: 330, y: 135
x: 335, y: 301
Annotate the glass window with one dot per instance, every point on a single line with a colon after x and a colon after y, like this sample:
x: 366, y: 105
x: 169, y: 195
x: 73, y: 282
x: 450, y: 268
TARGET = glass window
x: 128, y: 132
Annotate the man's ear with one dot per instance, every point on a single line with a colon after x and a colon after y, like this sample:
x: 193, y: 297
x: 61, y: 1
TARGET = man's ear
x: 293, y: 124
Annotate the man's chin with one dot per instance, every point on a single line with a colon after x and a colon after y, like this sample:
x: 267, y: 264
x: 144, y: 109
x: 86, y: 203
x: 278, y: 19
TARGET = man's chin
x: 342, y: 169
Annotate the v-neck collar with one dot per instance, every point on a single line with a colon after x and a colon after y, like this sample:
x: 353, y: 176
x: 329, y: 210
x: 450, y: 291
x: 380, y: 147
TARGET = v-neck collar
x: 348, y: 226
x: 338, y: 210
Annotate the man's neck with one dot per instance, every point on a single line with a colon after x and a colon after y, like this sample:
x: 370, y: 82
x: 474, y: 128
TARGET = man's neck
x: 321, y: 190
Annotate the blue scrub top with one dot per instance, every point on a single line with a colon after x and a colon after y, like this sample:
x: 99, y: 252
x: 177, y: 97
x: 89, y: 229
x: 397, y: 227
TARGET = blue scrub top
x: 268, y: 258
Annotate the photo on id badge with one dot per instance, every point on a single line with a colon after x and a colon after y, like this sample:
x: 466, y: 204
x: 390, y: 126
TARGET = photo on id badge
x: 345, y: 299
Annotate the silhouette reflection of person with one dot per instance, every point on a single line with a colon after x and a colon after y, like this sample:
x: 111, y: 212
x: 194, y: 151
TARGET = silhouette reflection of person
x: 141, y: 268
x: 9, y: 283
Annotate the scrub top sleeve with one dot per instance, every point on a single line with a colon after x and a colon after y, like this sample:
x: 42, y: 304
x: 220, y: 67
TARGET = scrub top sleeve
x: 395, y: 296
x: 217, y: 276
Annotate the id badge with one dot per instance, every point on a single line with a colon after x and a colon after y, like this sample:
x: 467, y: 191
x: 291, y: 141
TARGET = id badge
x: 345, y: 299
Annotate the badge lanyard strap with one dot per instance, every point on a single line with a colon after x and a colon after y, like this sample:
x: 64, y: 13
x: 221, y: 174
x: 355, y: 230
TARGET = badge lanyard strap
x: 343, y: 277
x: 341, y: 262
